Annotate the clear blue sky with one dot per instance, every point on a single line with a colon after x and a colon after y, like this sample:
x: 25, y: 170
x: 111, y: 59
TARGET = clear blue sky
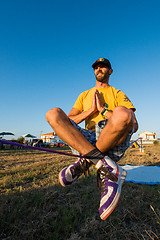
x: 47, y: 49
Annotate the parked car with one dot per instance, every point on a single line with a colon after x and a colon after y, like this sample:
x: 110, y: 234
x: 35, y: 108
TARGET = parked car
x: 60, y: 143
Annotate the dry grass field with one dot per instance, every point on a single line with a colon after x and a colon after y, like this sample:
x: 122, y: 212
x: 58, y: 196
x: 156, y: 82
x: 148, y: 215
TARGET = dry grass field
x: 34, y: 206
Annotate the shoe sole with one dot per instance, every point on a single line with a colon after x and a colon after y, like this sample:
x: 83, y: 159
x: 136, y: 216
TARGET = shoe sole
x: 60, y: 179
x: 66, y: 182
x: 115, y: 201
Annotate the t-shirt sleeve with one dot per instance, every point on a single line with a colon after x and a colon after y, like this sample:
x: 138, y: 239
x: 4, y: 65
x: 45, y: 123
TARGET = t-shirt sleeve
x: 123, y: 100
x: 79, y: 103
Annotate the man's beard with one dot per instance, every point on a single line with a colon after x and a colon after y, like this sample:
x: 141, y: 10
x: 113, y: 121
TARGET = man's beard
x: 102, y: 77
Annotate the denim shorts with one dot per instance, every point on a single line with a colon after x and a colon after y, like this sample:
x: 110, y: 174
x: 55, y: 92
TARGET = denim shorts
x: 116, y: 153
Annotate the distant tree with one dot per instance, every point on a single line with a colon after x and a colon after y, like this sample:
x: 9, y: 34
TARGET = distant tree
x: 155, y: 142
x: 20, y: 139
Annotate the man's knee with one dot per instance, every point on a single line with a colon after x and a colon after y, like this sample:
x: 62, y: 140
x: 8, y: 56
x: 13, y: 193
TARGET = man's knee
x: 123, y: 117
x: 53, y: 114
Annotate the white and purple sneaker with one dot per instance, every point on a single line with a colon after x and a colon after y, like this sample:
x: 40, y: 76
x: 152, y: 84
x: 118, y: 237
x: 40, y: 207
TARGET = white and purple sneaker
x: 70, y: 174
x: 110, y: 180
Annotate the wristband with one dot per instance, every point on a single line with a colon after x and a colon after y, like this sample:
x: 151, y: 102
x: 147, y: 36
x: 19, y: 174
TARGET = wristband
x: 104, y: 111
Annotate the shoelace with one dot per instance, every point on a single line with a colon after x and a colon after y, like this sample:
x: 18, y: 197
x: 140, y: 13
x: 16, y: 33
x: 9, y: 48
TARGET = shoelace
x: 103, y: 173
x: 82, y: 167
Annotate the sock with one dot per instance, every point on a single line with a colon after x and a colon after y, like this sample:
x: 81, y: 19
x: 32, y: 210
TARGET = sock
x: 95, y: 155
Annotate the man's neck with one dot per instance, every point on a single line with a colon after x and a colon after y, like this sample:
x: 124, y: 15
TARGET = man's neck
x: 101, y: 85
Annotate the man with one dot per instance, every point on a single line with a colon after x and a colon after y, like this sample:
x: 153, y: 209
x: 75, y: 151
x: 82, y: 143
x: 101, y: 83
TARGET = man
x: 109, y: 124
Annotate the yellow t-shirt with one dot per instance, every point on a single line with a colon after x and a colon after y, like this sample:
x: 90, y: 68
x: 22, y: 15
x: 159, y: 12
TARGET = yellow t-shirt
x: 110, y: 95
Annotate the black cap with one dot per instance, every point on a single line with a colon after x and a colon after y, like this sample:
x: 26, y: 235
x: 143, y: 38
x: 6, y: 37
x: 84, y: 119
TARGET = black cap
x: 104, y: 61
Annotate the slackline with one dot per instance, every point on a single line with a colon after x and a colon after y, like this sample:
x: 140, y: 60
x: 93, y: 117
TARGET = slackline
x: 39, y: 148
x: 44, y: 149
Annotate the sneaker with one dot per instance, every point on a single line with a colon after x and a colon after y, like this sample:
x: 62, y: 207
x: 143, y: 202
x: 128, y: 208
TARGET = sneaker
x: 70, y: 174
x: 110, y: 180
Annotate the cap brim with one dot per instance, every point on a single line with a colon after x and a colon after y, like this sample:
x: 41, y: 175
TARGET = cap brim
x: 96, y: 63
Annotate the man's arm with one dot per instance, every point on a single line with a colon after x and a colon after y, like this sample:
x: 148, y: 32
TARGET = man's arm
x: 109, y: 113
x: 77, y: 116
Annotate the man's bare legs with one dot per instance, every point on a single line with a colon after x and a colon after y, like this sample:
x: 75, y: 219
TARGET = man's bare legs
x: 116, y: 130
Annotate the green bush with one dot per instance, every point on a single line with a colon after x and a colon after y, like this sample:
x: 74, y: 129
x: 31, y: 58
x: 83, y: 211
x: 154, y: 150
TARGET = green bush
x: 20, y: 140
x: 155, y: 142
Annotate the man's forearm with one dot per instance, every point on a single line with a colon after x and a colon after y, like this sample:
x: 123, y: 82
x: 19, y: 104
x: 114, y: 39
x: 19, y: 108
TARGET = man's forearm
x: 81, y: 116
x: 108, y: 114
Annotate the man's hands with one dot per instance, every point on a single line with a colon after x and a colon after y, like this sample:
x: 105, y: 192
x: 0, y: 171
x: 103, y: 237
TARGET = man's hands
x: 97, y: 104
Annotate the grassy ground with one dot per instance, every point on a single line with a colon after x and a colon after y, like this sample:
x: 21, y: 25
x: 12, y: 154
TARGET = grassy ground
x: 34, y: 206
